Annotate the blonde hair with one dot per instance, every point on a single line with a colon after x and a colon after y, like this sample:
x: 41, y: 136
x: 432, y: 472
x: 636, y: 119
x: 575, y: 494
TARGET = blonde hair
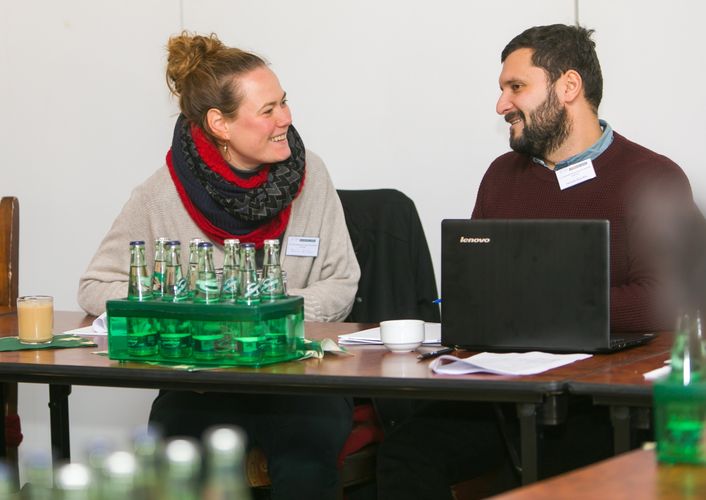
x: 203, y: 73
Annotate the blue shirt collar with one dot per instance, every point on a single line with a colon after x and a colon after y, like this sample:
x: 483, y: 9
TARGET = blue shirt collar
x: 591, y: 153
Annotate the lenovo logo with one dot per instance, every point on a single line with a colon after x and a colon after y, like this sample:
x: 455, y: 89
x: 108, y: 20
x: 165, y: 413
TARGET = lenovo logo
x: 466, y: 239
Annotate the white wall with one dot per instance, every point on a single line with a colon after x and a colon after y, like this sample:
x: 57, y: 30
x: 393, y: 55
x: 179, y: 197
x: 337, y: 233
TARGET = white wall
x: 390, y: 93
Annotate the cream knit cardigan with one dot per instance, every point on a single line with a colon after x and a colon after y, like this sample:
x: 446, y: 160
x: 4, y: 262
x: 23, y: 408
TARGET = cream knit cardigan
x: 327, y: 282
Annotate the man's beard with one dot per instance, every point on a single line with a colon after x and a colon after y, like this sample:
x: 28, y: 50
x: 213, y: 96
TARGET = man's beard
x: 548, y: 129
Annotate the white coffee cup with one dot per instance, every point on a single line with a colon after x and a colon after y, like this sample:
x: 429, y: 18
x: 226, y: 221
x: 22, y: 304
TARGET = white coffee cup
x: 402, y: 335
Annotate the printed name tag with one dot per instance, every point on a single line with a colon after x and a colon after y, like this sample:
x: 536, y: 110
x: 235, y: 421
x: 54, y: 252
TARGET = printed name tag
x: 575, y: 174
x: 302, y: 246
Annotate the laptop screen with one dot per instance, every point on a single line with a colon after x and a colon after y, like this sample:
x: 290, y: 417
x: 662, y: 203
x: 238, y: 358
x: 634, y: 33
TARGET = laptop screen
x: 525, y: 284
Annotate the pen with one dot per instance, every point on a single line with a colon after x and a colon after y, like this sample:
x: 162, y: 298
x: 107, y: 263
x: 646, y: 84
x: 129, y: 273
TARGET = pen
x: 434, y: 354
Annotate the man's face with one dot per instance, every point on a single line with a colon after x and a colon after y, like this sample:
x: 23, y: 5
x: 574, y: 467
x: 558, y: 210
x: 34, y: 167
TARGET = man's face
x: 538, y: 121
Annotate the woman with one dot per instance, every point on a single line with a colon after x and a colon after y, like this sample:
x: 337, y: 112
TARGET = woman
x: 238, y: 168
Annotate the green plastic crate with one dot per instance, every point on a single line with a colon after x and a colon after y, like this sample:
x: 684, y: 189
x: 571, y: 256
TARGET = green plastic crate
x: 218, y: 334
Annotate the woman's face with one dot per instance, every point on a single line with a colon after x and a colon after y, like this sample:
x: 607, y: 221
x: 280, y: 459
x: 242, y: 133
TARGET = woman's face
x: 258, y: 133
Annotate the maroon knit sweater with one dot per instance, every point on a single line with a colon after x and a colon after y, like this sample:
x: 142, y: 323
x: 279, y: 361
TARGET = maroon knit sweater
x: 515, y: 187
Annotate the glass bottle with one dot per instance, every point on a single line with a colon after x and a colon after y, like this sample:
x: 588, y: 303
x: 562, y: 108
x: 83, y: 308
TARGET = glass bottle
x: 182, y: 465
x: 147, y: 448
x: 39, y: 475
x: 272, y: 286
x: 98, y: 450
x: 225, y: 474
x: 7, y: 488
x: 73, y: 482
x: 175, y: 335
x: 159, y: 267
x: 192, y: 271
x: 139, y: 284
x: 206, y: 290
x: 680, y: 399
x: 175, y: 285
x: 208, y: 337
x: 231, y: 270
x: 688, y: 355
x: 120, y: 472
x: 249, y: 285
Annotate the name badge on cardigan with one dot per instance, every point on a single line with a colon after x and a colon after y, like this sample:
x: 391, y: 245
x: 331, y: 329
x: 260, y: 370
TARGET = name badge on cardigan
x: 302, y: 246
x: 575, y: 174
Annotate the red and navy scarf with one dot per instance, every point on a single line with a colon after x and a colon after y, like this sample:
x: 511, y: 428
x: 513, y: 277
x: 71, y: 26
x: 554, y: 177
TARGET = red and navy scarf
x: 226, y: 203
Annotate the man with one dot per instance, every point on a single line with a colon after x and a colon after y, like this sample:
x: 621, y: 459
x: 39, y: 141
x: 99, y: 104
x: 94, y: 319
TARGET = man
x: 565, y: 163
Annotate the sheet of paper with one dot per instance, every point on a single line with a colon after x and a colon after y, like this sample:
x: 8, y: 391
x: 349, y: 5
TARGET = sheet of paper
x: 98, y: 327
x: 432, y: 336
x: 510, y: 363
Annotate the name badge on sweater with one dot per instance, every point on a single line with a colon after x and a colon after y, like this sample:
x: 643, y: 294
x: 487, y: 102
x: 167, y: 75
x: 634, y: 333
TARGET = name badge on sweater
x: 302, y: 246
x: 575, y: 174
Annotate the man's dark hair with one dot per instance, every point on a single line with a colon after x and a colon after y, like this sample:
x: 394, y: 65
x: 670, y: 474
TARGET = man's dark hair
x: 559, y: 48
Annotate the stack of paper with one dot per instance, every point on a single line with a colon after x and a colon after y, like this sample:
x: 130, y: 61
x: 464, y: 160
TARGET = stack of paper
x: 432, y: 336
x: 511, y: 363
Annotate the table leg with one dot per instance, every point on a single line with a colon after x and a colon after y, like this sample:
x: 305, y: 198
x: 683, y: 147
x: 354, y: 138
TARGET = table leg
x: 620, y: 417
x: 59, y: 418
x: 3, y: 449
x: 527, y: 414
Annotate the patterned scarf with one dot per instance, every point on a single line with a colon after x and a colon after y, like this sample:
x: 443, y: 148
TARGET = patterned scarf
x: 228, y: 204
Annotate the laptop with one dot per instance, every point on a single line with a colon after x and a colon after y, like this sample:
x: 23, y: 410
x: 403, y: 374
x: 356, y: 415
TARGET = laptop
x: 529, y: 284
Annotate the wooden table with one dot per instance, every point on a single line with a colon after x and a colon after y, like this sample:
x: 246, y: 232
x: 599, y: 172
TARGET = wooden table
x: 372, y: 371
x: 624, y: 389
x: 635, y: 476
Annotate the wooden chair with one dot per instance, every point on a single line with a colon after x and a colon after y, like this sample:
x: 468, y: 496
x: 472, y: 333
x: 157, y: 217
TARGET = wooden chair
x: 9, y: 253
x: 9, y: 271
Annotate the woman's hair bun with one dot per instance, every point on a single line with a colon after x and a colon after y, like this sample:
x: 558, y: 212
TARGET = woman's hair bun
x: 187, y: 53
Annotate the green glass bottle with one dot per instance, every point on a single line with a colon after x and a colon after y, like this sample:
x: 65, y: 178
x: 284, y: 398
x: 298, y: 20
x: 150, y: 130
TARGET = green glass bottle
x: 141, y: 332
x: 231, y: 270
x: 272, y: 286
x: 147, y: 449
x: 159, y: 267
x: 192, y: 270
x: 73, y: 482
x: 208, y: 337
x: 139, y: 283
x: 39, y: 475
x: 175, y: 336
x: 206, y: 290
x: 225, y: 458
x: 176, y: 288
x: 182, y: 465
x: 680, y: 398
x: 7, y: 488
x: 249, y: 284
x: 119, y: 476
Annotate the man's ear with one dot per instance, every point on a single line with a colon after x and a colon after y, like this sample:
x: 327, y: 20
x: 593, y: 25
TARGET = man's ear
x: 571, y: 86
x: 217, y: 123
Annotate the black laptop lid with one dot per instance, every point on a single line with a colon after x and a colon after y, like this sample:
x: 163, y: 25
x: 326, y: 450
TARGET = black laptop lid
x: 525, y: 284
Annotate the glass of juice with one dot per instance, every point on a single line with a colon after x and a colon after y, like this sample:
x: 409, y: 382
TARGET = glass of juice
x: 35, y: 319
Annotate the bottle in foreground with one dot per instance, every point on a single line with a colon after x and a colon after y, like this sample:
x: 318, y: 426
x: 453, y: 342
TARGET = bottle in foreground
x: 182, y: 465
x: 680, y: 399
x: 225, y: 458
x: 73, y: 482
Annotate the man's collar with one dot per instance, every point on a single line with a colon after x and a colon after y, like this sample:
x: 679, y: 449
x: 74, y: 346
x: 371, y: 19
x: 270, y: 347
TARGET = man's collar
x: 591, y: 153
